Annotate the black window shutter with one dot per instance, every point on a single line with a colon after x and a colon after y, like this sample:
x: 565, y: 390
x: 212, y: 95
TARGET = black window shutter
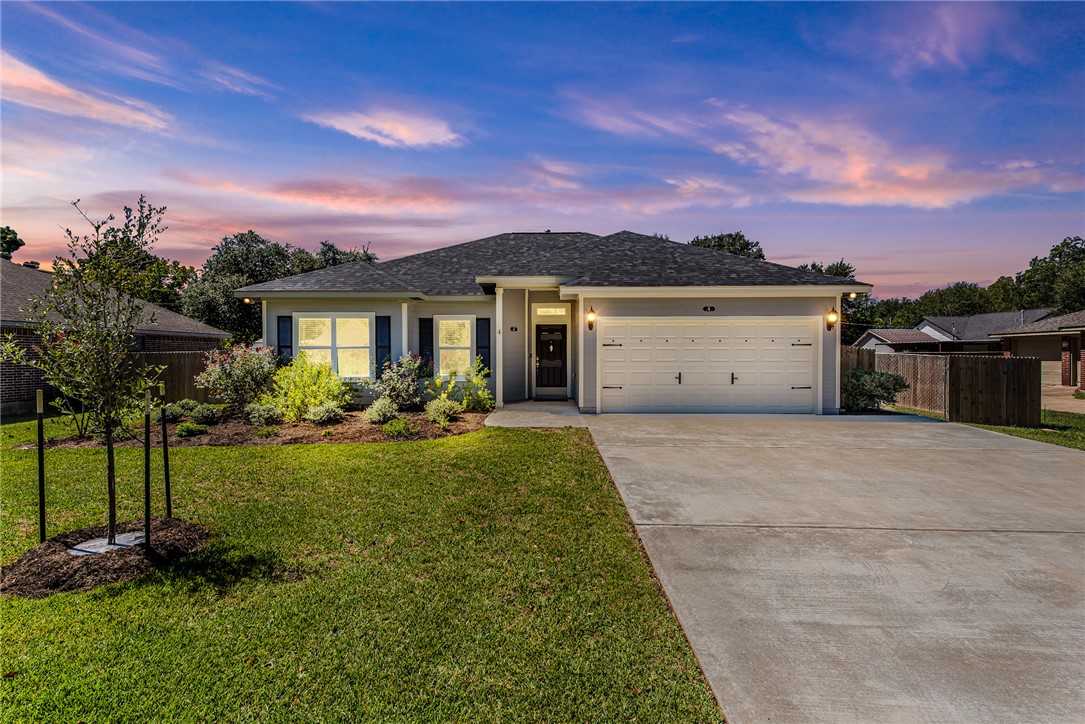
x: 482, y: 341
x: 286, y: 337
x: 384, y: 341
x: 425, y: 338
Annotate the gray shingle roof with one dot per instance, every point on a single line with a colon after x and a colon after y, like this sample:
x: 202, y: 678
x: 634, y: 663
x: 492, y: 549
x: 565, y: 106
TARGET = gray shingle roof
x: 624, y: 259
x: 901, y: 336
x: 339, y: 278
x: 979, y: 327
x: 1051, y: 325
x: 19, y: 283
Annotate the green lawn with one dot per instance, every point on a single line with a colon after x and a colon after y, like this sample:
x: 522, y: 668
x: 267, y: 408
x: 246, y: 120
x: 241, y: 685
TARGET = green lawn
x: 491, y: 576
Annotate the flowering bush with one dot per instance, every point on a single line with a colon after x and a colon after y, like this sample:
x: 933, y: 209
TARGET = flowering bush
x: 303, y: 384
x: 239, y: 374
x: 402, y: 381
x: 471, y: 391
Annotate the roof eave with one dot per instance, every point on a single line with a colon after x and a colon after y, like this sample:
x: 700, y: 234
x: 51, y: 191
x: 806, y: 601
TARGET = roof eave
x: 788, y: 290
x: 244, y: 293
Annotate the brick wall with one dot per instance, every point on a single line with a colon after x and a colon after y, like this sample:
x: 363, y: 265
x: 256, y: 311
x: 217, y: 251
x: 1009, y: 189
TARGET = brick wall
x: 1081, y: 362
x: 18, y: 383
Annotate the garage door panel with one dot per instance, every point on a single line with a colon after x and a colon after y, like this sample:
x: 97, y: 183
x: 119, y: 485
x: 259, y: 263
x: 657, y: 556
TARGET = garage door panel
x: 747, y: 365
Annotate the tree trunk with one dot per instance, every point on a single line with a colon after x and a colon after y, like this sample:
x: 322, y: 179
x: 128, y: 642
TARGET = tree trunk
x: 111, y: 479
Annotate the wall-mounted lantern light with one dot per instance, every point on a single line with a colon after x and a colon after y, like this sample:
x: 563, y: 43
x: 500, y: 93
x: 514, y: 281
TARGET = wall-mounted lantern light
x: 831, y: 319
x: 247, y: 300
x: 852, y: 296
x: 591, y: 317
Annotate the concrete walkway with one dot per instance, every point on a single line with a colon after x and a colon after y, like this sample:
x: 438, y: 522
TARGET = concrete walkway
x: 864, y: 569
x: 537, y: 414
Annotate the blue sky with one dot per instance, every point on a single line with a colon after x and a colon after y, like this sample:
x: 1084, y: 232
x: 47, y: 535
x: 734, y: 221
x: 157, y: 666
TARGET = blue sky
x: 925, y: 143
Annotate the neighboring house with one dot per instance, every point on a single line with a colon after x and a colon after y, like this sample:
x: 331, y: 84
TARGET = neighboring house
x: 169, y: 332
x: 941, y: 335
x: 1057, y: 341
x: 619, y: 323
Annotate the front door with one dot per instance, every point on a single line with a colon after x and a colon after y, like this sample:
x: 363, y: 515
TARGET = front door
x: 550, y: 375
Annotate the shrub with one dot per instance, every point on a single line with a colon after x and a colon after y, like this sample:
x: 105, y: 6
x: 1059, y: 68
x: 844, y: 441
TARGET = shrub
x: 303, y: 384
x: 442, y: 411
x: 403, y: 381
x: 186, y: 406
x: 325, y: 414
x: 869, y: 389
x: 260, y: 415
x: 191, y: 429
x: 239, y: 374
x: 401, y: 427
x: 471, y: 391
x: 205, y: 415
x: 171, y: 413
x: 381, y: 411
x: 266, y: 431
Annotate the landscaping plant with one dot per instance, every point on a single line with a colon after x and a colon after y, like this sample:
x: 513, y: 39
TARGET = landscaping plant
x: 260, y: 415
x: 870, y: 389
x: 239, y: 374
x: 303, y: 384
x: 381, y: 411
x: 87, y: 321
x: 401, y: 427
x: 403, y: 381
x: 187, y: 405
x: 327, y: 414
x: 204, y: 415
x: 470, y: 390
x: 191, y: 429
x: 171, y: 413
x: 441, y: 411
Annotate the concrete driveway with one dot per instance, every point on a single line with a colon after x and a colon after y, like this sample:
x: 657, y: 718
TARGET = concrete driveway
x: 864, y: 569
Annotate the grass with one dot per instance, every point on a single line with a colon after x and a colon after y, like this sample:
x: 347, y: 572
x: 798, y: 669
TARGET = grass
x: 1066, y: 429
x: 1079, y: 394
x: 490, y: 576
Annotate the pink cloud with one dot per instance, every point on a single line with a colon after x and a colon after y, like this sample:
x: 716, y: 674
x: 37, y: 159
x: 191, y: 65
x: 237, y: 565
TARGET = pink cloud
x: 391, y: 128
x: 30, y: 87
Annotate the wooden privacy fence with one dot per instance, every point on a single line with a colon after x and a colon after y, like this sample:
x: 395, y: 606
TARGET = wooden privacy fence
x: 854, y: 358
x: 969, y: 388
x: 181, y: 368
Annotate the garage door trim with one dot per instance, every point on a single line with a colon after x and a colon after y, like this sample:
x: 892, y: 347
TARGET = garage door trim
x: 814, y: 320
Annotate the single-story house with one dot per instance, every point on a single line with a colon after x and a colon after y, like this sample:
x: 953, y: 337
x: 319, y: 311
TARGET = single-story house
x: 942, y: 335
x: 618, y: 323
x: 1057, y: 341
x: 168, y: 332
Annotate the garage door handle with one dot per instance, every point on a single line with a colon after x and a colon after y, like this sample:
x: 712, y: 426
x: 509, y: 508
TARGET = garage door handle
x: 678, y: 377
x: 612, y: 387
x: 808, y: 387
x: 612, y: 344
x: 733, y: 378
x: 802, y: 344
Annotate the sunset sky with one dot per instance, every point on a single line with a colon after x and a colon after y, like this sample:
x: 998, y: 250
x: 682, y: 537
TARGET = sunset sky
x: 924, y: 143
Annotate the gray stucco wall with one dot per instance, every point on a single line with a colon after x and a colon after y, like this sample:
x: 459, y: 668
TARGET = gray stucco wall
x: 725, y: 307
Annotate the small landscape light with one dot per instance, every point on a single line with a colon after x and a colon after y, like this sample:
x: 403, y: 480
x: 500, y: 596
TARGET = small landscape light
x: 592, y: 316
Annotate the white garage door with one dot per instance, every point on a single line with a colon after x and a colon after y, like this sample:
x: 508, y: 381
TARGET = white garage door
x: 719, y: 365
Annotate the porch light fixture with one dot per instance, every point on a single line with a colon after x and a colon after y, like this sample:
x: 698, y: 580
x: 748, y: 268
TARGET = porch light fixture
x: 831, y: 319
x: 852, y: 296
x: 591, y: 317
x: 247, y: 300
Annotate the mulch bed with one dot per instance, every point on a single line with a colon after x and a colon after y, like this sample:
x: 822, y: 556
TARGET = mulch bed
x: 49, y: 568
x: 236, y: 431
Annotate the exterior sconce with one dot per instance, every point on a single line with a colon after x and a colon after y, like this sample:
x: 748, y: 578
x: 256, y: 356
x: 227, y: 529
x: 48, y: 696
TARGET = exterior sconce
x: 831, y: 319
x: 591, y: 317
x: 852, y: 296
x: 247, y: 300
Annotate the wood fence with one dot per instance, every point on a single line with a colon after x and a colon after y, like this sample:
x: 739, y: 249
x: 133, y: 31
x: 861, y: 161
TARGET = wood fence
x: 180, y: 369
x: 988, y: 390
x: 994, y: 390
x: 854, y: 358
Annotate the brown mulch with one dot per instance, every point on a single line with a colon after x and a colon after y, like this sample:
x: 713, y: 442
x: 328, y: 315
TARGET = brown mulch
x: 48, y: 568
x: 236, y: 431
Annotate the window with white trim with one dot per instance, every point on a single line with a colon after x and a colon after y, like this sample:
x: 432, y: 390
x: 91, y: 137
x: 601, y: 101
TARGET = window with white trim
x: 343, y: 339
x: 454, y: 344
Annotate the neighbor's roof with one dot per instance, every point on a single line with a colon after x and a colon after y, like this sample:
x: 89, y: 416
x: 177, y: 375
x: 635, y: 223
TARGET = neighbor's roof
x: 18, y: 284
x: 900, y: 336
x: 1072, y: 322
x: 624, y: 259
x: 979, y: 327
